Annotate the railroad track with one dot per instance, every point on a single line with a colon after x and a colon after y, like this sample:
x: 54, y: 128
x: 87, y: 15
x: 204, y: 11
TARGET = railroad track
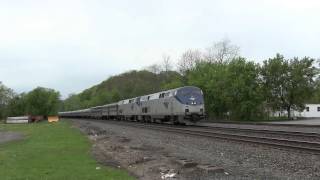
x: 297, y: 134
x: 282, y: 143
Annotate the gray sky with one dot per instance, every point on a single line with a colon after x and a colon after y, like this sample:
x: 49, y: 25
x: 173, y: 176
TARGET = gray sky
x: 70, y: 45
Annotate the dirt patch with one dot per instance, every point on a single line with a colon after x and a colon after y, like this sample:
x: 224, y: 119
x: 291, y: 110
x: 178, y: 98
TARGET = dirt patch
x: 6, y: 136
x: 143, y: 161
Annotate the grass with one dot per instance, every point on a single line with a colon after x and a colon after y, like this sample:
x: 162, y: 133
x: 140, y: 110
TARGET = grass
x: 51, y: 152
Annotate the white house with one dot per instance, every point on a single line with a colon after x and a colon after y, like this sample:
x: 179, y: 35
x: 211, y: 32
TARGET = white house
x: 311, y: 111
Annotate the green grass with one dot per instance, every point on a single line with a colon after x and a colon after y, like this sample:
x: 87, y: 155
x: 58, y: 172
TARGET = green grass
x: 51, y: 151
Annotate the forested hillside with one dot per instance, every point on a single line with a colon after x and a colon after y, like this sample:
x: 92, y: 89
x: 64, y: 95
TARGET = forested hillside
x: 126, y: 85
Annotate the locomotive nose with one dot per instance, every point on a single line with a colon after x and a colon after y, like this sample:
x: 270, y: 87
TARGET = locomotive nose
x: 193, y: 109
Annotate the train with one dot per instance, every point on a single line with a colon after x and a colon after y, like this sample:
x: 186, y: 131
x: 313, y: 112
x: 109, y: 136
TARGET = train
x: 183, y: 105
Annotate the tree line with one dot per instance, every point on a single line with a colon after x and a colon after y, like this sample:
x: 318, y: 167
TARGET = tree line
x: 234, y: 87
x: 240, y: 89
x: 39, y: 101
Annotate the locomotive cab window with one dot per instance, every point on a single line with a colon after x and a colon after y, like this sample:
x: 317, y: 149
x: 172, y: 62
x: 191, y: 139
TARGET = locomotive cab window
x: 189, y: 95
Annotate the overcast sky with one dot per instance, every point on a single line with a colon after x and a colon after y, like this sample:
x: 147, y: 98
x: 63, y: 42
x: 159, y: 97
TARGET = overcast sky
x: 70, y: 45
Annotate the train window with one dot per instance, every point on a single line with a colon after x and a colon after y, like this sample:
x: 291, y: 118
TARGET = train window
x: 148, y: 97
x: 161, y: 95
x: 138, y: 100
x: 307, y: 109
x: 318, y: 108
x: 145, y: 110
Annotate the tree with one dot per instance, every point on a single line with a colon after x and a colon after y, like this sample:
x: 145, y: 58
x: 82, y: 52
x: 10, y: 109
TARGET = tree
x: 230, y: 89
x: 42, y: 101
x: 244, y: 98
x: 211, y: 78
x: 155, y: 68
x: 6, y: 94
x: 166, y: 63
x: 222, y: 51
x: 72, y: 102
x: 188, y: 60
x: 288, y: 84
x: 17, y: 105
x: 315, y: 98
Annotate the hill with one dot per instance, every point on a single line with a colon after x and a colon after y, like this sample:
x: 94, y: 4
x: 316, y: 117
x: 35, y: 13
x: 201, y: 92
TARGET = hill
x: 126, y: 85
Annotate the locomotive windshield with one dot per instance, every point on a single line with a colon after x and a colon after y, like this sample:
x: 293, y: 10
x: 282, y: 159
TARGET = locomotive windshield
x: 189, y: 95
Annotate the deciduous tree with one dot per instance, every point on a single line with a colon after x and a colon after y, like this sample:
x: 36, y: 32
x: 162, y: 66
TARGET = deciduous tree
x: 188, y: 60
x: 222, y: 51
x: 42, y: 101
x: 288, y: 84
x: 6, y: 94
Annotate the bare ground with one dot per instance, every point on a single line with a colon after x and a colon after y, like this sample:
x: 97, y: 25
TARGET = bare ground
x: 6, y: 136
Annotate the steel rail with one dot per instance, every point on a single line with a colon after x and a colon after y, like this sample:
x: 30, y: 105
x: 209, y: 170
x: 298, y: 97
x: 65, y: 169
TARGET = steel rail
x: 265, y: 131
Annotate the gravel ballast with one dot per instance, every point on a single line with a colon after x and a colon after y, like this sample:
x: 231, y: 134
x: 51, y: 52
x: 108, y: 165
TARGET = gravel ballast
x: 151, y: 154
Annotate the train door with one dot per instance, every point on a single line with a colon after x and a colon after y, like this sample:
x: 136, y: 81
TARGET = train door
x: 137, y: 107
x: 171, y: 107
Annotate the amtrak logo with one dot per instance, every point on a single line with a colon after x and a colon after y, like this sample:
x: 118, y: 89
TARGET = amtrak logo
x: 192, y: 98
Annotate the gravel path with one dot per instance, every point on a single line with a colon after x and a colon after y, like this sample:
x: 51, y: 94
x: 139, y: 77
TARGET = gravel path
x: 7, y: 136
x: 148, y: 154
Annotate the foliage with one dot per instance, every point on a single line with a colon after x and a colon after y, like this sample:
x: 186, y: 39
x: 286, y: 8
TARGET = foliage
x: 211, y: 78
x: 315, y: 98
x: 40, y: 101
x: 288, y: 83
x: 51, y: 151
x: 17, y: 105
x: 231, y: 89
x: 6, y: 94
x: 244, y: 93
x: 123, y: 86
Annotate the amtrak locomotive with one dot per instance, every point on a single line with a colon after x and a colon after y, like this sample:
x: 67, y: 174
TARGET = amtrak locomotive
x: 184, y: 105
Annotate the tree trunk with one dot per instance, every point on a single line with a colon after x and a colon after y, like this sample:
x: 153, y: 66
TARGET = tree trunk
x: 289, y: 112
